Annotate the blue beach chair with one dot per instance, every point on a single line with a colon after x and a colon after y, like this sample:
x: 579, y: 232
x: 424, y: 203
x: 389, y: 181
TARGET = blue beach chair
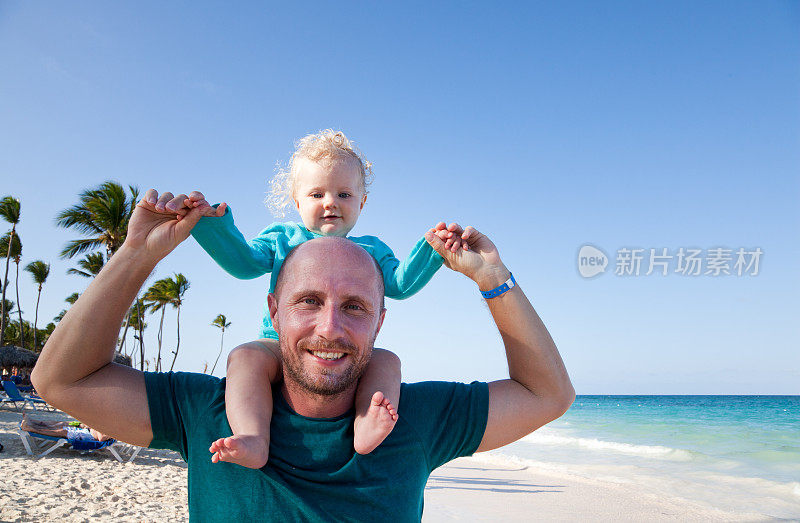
x: 44, y: 445
x: 15, y: 396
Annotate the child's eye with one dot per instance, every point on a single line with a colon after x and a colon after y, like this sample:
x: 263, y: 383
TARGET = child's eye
x: 316, y: 195
x: 344, y: 195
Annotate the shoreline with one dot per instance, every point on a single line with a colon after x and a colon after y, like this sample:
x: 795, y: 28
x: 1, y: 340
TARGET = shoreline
x: 479, y: 489
x: 72, y: 487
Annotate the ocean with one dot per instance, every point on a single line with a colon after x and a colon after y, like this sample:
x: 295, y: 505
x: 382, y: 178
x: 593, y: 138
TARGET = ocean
x: 736, y: 453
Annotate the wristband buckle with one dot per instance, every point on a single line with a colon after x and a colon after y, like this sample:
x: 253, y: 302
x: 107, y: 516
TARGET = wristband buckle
x: 509, y: 284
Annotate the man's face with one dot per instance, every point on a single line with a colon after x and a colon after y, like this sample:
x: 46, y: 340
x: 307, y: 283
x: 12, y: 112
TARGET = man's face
x: 327, y: 315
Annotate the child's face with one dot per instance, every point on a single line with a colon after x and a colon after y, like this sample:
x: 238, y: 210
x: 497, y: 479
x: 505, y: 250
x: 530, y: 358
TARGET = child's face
x: 329, y: 197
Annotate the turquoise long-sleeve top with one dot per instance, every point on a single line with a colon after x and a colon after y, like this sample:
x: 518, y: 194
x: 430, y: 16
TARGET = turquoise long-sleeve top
x: 244, y: 259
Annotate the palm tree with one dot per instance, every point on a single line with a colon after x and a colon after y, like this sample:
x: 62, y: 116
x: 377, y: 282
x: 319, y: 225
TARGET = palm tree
x: 10, y: 212
x: 221, y: 322
x: 102, y: 215
x: 12, y: 245
x: 91, y: 264
x: 178, y: 288
x: 40, y: 271
x: 157, y: 299
x: 135, y: 319
x: 167, y: 291
x: 8, y: 309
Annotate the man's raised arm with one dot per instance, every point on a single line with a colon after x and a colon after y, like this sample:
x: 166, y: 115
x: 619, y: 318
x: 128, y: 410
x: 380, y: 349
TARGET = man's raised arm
x: 539, y: 390
x: 75, y: 371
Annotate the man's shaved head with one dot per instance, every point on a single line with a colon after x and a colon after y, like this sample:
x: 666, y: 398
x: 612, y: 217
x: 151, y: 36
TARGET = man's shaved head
x: 327, y: 309
x: 339, y: 251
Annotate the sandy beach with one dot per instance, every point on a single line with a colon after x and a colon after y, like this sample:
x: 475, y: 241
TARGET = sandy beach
x: 67, y: 486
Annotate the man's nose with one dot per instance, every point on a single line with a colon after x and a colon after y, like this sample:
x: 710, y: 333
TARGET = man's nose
x: 329, y: 323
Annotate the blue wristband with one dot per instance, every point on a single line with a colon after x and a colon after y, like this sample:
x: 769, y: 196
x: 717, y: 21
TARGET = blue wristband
x: 507, y: 286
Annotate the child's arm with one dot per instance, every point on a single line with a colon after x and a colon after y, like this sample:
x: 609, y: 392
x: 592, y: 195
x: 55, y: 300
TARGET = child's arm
x: 406, y: 278
x: 218, y: 236
x: 377, y: 397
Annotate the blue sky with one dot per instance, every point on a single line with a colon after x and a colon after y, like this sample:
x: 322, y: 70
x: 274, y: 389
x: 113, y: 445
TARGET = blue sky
x: 545, y: 125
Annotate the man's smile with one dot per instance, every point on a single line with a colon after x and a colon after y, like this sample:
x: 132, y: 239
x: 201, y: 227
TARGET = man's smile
x: 328, y: 356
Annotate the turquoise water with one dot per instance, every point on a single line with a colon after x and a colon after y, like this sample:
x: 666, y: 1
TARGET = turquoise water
x: 737, y: 453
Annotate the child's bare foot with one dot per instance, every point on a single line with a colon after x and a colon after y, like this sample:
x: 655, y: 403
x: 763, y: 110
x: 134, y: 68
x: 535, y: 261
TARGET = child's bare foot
x: 247, y: 451
x: 372, y: 429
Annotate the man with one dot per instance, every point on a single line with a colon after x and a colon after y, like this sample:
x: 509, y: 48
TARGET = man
x: 313, y: 473
x: 61, y: 429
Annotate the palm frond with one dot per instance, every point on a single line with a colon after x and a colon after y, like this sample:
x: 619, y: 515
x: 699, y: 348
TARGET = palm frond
x: 16, y: 245
x: 75, y: 247
x: 77, y: 272
x: 221, y: 322
x: 102, y: 213
x: 10, y: 209
x: 78, y: 217
x: 39, y: 270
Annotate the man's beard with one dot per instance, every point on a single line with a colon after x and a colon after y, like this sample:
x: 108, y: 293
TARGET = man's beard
x: 325, y: 382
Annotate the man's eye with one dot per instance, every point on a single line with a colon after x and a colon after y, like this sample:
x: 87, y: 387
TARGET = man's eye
x: 354, y: 307
x: 310, y: 301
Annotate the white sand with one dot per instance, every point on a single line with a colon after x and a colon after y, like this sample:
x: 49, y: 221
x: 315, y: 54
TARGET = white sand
x: 67, y: 486
x: 475, y: 489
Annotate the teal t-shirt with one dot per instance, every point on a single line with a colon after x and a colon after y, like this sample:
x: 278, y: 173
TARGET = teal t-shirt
x: 313, y: 473
x: 246, y: 259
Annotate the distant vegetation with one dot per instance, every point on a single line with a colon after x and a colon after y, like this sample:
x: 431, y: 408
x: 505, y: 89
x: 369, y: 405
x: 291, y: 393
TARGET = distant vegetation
x: 100, y: 218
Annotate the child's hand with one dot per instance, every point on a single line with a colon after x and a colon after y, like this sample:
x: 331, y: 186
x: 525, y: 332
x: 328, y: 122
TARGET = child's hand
x: 453, y: 235
x: 196, y: 199
x: 180, y: 205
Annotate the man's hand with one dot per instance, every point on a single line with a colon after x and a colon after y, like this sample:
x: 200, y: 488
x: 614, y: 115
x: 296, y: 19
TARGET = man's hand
x: 477, y: 258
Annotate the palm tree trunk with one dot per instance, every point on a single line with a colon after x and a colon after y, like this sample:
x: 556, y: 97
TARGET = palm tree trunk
x: 175, y: 357
x: 160, y: 332
x: 5, y: 279
x: 140, y: 326
x: 36, y: 317
x: 19, y: 310
x: 141, y: 349
x: 221, y: 340
x: 124, y: 331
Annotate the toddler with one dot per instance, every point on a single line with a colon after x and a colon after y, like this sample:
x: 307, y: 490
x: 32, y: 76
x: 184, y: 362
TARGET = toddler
x: 326, y: 180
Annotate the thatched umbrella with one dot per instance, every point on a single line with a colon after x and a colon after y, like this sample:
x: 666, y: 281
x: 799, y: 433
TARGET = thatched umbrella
x: 122, y: 359
x: 11, y: 356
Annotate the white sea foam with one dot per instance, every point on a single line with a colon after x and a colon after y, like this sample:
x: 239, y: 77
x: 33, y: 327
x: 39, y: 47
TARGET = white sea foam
x: 683, y: 479
x: 653, y: 451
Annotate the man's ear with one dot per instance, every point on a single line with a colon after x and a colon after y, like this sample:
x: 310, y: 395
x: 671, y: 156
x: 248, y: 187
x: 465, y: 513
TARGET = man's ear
x: 272, y: 304
x: 380, y: 321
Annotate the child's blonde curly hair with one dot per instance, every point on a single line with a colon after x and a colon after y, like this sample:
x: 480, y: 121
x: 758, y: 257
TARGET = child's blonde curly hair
x: 325, y: 146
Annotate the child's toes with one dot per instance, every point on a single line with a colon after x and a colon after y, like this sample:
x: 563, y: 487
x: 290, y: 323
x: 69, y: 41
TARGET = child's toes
x: 378, y: 398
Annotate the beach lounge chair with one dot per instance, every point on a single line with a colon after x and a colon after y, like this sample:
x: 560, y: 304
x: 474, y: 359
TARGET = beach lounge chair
x: 44, y: 445
x: 15, y: 396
